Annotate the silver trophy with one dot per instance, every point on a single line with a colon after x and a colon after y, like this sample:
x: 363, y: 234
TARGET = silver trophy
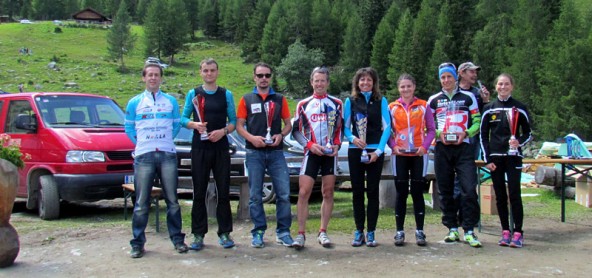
x: 199, y: 102
x: 269, y: 110
x: 451, y: 112
x: 512, y: 116
x: 361, y: 126
x: 331, y: 114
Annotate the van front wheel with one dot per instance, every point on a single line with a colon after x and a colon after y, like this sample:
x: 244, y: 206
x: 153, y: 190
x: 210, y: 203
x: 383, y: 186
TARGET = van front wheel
x: 49, y: 199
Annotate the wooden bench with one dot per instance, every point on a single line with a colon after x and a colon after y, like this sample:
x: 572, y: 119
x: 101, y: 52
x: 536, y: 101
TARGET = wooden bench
x: 129, y: 191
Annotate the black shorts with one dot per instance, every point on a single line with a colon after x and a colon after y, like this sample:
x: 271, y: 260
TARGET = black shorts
x: 312, y: 164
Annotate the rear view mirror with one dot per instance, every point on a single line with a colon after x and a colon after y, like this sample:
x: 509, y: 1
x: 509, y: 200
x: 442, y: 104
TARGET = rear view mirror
x: 24, y: 121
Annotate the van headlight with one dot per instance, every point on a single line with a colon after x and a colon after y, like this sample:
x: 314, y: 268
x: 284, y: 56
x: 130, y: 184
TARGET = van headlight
x: 84, y: 156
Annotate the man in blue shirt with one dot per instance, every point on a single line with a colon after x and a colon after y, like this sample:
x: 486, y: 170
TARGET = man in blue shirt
x: 213, y: 118
x: 152, y: 120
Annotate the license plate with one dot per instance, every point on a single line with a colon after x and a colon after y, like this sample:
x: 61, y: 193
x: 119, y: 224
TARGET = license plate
x: 129, y: 179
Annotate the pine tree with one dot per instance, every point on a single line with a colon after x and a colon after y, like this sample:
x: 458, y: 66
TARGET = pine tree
x: 120, y: 38
x: 192, y: 16
x: 463, y: 27
x: 564, y: 88
x: 371, y: 13
x: 422, y: 42
x: 209, y: 17
x: 323, y: 30
x: 155, y: 28
x: 383, y: 43
x: 178, y: 27
x: 442, y: 46
x: 142, y: 10
x: 401, y: 55
x: 276, y: 34
x: 355, y: 45
x: 256, y: 23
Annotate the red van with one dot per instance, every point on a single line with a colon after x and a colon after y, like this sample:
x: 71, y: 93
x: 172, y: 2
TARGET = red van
x: 77, y: 145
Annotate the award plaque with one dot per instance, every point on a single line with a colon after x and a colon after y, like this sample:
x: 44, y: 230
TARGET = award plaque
x: 512, y: 116
x: 361, y: 126
x: 405, y: 141
x: 269, y: 110
x: 199, y: 102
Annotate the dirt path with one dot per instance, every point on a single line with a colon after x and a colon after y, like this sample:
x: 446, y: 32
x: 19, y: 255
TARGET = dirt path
x: 552, y: 249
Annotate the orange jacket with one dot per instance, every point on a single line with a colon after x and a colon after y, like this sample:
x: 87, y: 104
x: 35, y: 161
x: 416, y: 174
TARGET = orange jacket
x: 409, y: 122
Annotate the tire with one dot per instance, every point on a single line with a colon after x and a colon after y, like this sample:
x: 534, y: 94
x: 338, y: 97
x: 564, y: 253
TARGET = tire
x: 268, y: 193
x: 48, y: 199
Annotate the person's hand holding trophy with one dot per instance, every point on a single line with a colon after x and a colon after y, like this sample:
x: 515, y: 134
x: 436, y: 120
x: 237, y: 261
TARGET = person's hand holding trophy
x: 199, y: 103
x: 269, y: 110
x: 361, y: 126
x: 512, y: 116
x: 332, y: 115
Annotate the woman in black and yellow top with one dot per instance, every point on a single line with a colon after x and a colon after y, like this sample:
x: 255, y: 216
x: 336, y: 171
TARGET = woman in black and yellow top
x: 505, y: 128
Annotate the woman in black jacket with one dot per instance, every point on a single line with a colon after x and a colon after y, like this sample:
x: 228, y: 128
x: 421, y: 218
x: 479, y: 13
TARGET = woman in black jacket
x: 505, y: 128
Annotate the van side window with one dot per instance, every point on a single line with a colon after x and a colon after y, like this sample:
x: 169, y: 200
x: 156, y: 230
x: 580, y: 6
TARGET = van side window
x: 15, y: 108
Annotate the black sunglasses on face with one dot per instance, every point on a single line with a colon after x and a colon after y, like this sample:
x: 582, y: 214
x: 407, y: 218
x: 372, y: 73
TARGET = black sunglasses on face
x: 261, y: 75
x: 443, y: 65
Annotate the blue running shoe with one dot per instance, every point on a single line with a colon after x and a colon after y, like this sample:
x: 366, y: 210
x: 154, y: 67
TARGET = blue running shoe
x: 505, y: 241
x: 370, y: 240
x: 257, y: 241
x: 517, y: 240
x: 400, y: 238
x: 358, y: 239
x: 226, y: 241
x: 198, y: 243
x: 285, y: 240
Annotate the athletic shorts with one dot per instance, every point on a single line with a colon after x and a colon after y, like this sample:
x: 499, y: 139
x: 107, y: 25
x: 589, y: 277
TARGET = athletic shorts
x: 313, y: 164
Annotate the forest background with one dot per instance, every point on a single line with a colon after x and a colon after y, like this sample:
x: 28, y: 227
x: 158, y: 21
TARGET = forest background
x: 545, y: 44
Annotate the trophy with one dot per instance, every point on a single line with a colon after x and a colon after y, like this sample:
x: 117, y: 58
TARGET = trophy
x: 406, y: 141
x: 199, y: 102
x: 451, y: 112
x: 512, y: 116
x: 361, y: 125
x: 331, y: 114
x: 269, y: 110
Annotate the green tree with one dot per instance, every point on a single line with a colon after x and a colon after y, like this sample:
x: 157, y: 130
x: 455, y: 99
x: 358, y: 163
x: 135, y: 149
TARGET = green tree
x: 323, y: 30
x: 371, y: 13
x: 422, y: 42
x: 177, y: 31
x: 401, y: 55
x: 252, y: 40
x: 48, y: 9
x: 192, y: 16
x: 442, y: 46
x: 356, y: 45
x: 564, y: 87
x: 383, y: 43
x: 463, y: 27
x: 141, y: 10
x: 209, y: 17
x: 155, y: 28
x: 295, y: 68
x: 276, y: 34
x: 26, y: 10
x: 120, y: 39
x: 530, y: 26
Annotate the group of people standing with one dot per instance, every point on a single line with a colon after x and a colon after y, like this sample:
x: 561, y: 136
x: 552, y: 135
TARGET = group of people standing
x: 408, y: 126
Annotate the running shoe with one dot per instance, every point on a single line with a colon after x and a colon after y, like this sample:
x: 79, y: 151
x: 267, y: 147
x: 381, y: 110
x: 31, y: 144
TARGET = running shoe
x: 257, y: 241
x: 324, y: 240
x: 285, y: 240
x: 400, y: 238
x: 370, y: 240
x: 505, y: 241
x: 517, y: 240
x: 358, y: 238
x: 452, y: 236
x: 299, y: 242
x: 226, y: 241
x: 137, y: 252
x: 471, y: 239
x: 420, y: 238
x: 198, y: 242
x: 181, y: 247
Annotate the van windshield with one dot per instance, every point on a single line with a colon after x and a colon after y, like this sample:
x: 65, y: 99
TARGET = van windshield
x: 63, y: 111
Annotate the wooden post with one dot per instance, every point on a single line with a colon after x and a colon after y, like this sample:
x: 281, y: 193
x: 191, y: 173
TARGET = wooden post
x: 387, y: 191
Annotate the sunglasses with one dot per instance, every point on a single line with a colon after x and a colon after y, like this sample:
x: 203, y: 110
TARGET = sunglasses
x: 444, y: 65
x: 261, y: 75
